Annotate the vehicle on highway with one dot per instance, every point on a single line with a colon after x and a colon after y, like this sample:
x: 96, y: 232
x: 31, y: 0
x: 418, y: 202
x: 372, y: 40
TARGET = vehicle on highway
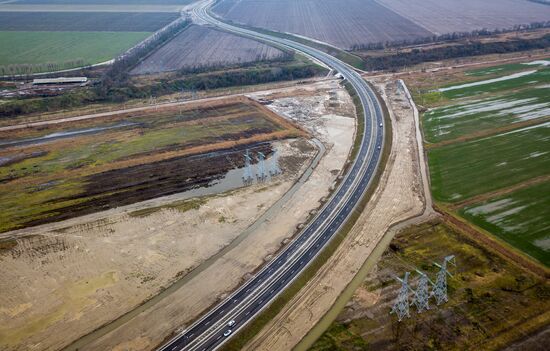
x: 231, y: 323
x: 227, y: 333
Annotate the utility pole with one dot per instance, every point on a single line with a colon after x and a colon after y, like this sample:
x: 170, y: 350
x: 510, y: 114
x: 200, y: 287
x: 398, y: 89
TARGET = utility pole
x: 274, y: 169
x: 260, y: 172
x: 247, y: 173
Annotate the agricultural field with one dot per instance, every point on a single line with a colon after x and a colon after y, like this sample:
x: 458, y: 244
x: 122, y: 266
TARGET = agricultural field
x: 465, y: 169
x: 60, y: 47
x: 519, y: 93
x: 94, y: 5
x: 85, y: 21
x: 488, y: 136
x: 75, y: 168
x: 198, y: 47
x: 448, y: 16
x: 330, y: 21
x: 492, y: 304
x: 520, y: 217
x: 103, y: 2
x: 44, y: 40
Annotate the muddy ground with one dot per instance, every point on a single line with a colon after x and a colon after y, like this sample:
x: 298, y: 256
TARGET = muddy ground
x: 78, y: 274
x: 120, y: 187
x: 63, y: 170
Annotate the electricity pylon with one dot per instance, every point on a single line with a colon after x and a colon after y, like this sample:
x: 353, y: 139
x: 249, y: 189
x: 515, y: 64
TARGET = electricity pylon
x: 440, y: 287
x: 421, y: 294
x: 401, y: 305
x: 247, y: 173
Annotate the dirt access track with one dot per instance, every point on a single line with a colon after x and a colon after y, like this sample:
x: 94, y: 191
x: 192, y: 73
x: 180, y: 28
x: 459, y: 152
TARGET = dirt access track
x: 398, y: 197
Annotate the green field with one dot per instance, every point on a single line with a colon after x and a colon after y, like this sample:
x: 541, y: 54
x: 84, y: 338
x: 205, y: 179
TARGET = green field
x: 462, y: 170
x: 492, y: 301
x: 540, y: 76
x: 490, y: 134
x: 497, y: 70
x: 84, y: 21
x: 61, y: 47
x: 462, y: 118
x: 521, y: 218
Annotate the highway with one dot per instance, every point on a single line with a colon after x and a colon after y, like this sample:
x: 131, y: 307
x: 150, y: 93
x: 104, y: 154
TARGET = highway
x: 253, y: 296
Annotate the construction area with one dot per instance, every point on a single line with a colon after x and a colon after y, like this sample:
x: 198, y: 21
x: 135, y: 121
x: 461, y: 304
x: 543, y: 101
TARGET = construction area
x: 90, y: 276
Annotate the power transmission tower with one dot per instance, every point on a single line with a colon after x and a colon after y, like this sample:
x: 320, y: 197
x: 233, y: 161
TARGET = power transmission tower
x: 260, y: 171
x: 421, y: 294
x: 247, y: 173
x: 401, y: 305
x: 440, y: 287
x: 274, y: 168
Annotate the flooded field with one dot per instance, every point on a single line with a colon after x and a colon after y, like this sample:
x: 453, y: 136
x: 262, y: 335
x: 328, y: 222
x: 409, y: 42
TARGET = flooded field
x: 66, y: 170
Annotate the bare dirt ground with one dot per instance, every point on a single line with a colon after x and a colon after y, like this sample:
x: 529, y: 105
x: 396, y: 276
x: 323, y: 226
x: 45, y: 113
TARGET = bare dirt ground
x: 201, y: 47
x: 79, y: 275
x: 447, y: 16
x: 82, y: 273
x: 398, y: 197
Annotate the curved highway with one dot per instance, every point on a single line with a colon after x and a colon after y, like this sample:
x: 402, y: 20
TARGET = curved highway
x: 225, y: 319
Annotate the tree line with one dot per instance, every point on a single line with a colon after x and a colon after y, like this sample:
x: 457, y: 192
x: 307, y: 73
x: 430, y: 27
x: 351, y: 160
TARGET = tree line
x: 416, y: 56
x: 213, y: 80
x: 449, y: 37
x: 117, y: 74
x: 27, y: 69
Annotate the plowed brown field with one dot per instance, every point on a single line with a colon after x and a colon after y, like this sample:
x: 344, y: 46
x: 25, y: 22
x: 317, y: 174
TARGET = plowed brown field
x: 447, y: 16
x: 204, y: 47
x: 340, y: 23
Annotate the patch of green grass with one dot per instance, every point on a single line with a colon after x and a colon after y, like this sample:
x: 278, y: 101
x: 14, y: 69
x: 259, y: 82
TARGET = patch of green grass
x: 520, y: 218
x: 460, y: 171
x: 542, y: 75
x: 485, y: 289
x: 339, y: 337
x: 462, y: 118
x: 62, y: 47
x: 182, y: 206
x: 499, y: 69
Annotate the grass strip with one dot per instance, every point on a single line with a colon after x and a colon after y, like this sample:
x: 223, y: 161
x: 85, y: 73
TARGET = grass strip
x: 257, y: 324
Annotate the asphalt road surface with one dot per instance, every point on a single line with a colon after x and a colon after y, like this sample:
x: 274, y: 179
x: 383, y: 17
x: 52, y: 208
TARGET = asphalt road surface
x: 212, y: 330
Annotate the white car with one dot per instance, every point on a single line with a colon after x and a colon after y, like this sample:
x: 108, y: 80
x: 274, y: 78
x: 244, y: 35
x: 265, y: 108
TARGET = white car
x: 227, y: 333
x: 231, y: 323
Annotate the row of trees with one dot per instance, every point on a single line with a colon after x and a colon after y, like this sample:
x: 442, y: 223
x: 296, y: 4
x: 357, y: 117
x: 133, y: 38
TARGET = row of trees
x: 117, y: 74
x: 119, y: 93
x: 449, y: 37
x: 416, y: 56
x: 26, y: 69
x: 285, y: 56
